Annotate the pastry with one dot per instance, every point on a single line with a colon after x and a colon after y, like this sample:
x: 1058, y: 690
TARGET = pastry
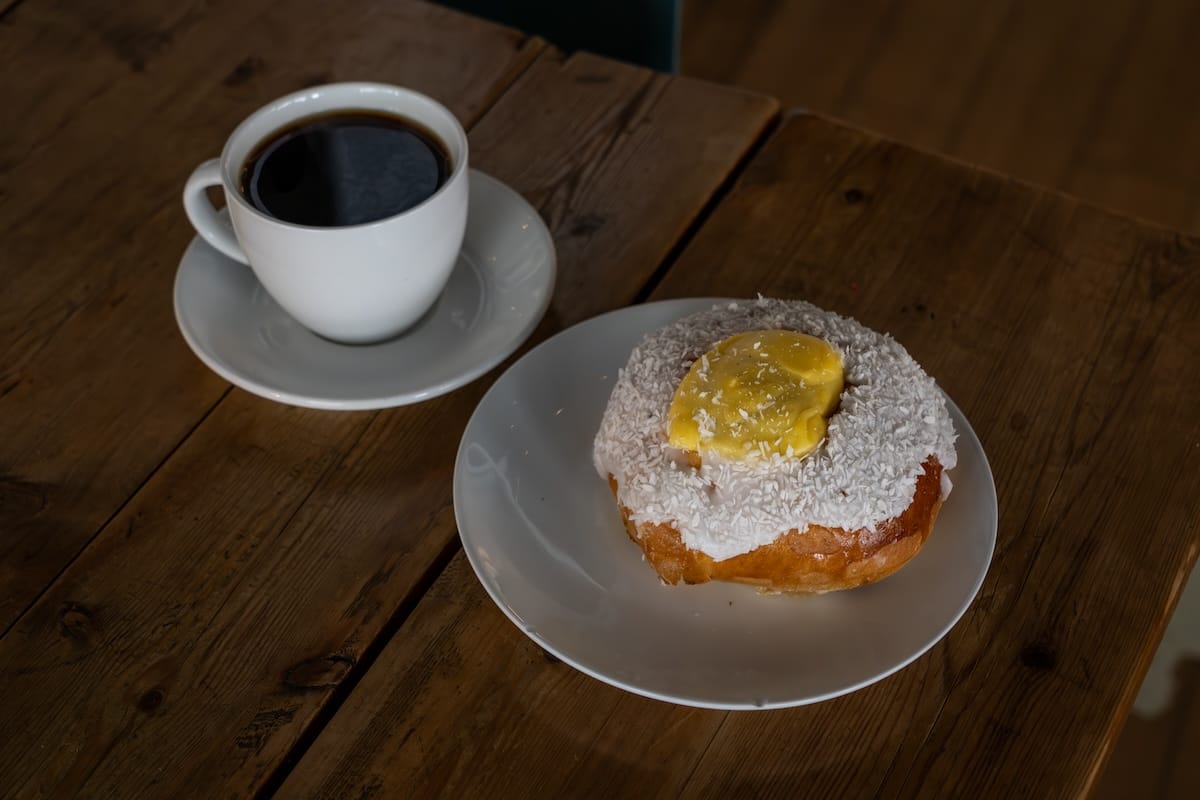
x: 773, y: 443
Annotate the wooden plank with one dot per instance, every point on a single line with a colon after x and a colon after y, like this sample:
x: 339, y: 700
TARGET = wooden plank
x: 1140, y: 155
x: 902, y: 66
x: 96, y: 387
x: 219, y: 612
x: 805, y: 53
x: 1064, y: 332
x: 1090, y: 98
x: 1033, y: 105
x: 718, y: 36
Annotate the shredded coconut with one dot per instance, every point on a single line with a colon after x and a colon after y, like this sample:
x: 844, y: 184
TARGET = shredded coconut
x: 892, y: 417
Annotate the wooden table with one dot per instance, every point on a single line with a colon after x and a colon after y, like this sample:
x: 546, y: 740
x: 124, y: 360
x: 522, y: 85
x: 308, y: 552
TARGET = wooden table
x: 204, y: 593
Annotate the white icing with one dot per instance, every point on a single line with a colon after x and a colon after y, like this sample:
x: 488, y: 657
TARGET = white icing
x: 947, y: 485
x: 892, y: 417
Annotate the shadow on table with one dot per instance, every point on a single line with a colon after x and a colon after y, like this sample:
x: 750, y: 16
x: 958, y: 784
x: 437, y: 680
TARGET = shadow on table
x: 642, y: 32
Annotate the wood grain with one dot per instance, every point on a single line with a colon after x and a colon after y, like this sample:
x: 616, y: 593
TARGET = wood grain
x: 215, y: 616
x: 1140, y: 154
x: 1065, y: 333
x: 1084, y: 97
x: 117, y: 105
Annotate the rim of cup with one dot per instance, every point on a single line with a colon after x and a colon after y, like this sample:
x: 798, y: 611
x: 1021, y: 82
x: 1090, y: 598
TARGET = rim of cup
x: 230, y: 173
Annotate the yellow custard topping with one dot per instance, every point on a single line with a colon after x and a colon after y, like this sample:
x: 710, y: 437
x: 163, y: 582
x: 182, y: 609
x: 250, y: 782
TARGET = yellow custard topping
x: 757, y: 393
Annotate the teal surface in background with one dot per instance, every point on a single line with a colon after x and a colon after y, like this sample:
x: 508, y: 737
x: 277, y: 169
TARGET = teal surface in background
x: 644, y: 32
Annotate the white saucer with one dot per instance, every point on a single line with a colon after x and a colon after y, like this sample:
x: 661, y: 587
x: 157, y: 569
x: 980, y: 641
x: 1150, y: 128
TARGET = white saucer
x: 496, y: 296
x: 543, y: 534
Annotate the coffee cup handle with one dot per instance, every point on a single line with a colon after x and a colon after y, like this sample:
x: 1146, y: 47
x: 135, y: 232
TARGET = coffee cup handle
x: 216, y: 230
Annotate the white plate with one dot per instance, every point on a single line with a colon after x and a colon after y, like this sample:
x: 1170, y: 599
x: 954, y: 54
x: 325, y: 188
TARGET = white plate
x: 498, y: 292
x: 544, y: 536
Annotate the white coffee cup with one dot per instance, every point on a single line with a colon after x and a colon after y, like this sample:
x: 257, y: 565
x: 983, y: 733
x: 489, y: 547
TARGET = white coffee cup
x: 357, y: 283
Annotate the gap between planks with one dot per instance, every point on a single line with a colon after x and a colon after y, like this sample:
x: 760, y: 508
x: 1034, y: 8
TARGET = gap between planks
x: 360, y: 668
x: 33, y: 601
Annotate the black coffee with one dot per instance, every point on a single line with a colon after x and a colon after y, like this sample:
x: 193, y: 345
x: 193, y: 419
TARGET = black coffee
x: 345, y: 168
